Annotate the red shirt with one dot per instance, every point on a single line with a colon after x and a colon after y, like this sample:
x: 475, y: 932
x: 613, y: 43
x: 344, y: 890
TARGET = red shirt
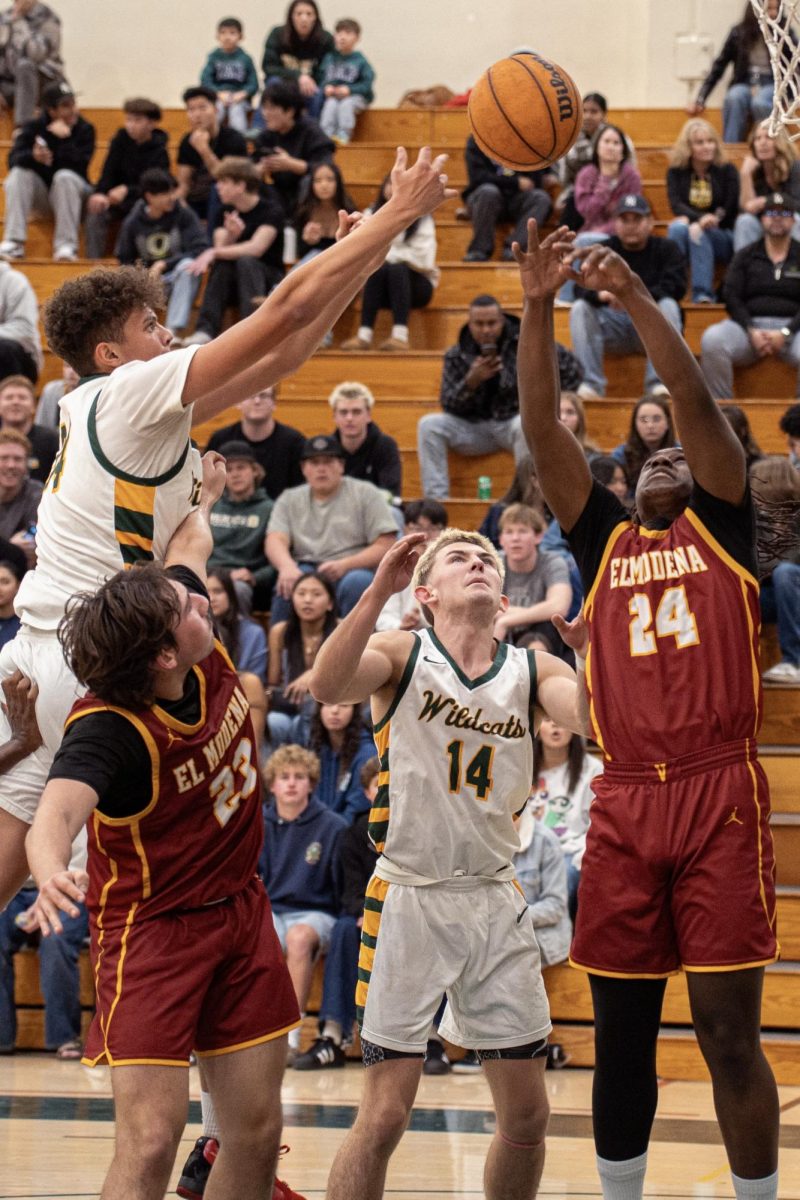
x: 198, y: 837
x: 674, y: 623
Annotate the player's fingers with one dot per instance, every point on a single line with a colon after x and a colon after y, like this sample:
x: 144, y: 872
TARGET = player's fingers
x: 533, y: 235
x: 424, y: 155
x: 438, y: 163
x: 401, y: 159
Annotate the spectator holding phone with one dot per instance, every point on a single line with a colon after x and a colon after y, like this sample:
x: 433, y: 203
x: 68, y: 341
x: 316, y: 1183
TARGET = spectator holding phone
x: 478, y: 395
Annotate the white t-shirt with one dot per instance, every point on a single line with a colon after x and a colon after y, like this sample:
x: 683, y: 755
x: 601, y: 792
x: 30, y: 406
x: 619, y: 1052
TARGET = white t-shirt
x: 124, y: 479
x: 567, y: 814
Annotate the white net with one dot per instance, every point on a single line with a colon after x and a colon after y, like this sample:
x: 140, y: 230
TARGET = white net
x: 780, y: 30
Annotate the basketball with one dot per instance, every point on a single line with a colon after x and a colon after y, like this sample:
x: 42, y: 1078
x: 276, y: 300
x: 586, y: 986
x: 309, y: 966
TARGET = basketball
x: 525, y: 112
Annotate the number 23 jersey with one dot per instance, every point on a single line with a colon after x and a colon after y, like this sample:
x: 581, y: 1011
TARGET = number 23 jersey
x: 674, y: 624
x: 456, y: 763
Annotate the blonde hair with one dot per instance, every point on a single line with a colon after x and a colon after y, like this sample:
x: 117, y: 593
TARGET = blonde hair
x: 785, y: 154
x: 351, y: 391
x: 447, y: 538
x: 682, y: 150
x: 523, y: 514
x: 291, y: 756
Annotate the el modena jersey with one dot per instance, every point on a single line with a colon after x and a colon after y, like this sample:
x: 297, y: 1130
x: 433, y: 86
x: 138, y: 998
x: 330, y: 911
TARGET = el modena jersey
x: 674, y: 627
x: 456, y: 763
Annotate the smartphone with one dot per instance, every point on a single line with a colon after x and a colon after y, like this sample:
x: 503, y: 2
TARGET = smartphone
x: 488, y: 350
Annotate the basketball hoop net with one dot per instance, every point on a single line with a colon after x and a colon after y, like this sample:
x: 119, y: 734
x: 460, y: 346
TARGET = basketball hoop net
x: 781, y: 36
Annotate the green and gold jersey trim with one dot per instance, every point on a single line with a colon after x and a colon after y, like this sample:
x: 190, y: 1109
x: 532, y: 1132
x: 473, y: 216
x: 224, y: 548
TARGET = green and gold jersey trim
x: 402, y: 687
x: 499, y: 659
x: 153, y: 481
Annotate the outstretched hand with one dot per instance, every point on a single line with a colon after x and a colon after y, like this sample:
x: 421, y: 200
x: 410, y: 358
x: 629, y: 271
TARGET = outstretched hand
x: 348, y: 222
x: 397, y: 566
x: 602, y: 270
x: 422, y: 187
x: 547, y: 264
x: 574, y: 634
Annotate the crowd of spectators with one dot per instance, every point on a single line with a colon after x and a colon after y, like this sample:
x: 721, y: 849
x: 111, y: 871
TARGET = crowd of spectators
x: 304, y: 521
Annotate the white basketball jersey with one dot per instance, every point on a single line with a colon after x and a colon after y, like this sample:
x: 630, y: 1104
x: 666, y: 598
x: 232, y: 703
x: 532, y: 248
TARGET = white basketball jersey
x: 124, y: 478
x: 456, y: 758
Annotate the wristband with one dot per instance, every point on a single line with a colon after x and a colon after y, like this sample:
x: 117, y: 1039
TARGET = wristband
x: 580, y: 663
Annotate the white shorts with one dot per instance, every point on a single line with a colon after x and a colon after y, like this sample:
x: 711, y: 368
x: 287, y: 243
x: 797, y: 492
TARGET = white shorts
x: 474, y: 942
x: 37, y: 654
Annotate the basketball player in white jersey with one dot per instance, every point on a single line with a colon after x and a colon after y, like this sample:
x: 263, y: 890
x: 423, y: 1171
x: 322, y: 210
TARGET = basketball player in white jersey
x: 455, y: 713
x: 125, y: 475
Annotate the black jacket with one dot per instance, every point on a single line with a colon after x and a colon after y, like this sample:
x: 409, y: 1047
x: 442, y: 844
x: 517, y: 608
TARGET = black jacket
x: 756, y: 287
x: 174, y: 236
x: 733, y: 51
x: 304, y: 140
x: 724, y: 193
x: 127, y: 160
x: 72, y: 153
x: 377, y: 460
x: 481, y: 169
x: 660, y: 265
x: 497, y: 399
x: 358, y: 857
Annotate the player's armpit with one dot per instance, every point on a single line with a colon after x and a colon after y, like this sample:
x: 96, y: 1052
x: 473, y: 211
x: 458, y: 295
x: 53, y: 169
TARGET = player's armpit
x: 557, y: 693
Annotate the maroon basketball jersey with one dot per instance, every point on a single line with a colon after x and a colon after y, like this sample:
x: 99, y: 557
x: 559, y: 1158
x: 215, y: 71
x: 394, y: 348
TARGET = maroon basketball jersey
x: 674, y: 625
x: 198, y: 839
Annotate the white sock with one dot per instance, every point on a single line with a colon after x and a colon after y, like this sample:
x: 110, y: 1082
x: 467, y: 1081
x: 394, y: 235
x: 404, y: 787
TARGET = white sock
x: 400, y: 332
x: 365, y: 333
x: 294, y: 1036
x: 210, y: 1126
x: 756, y: 1189
x: 622, y: 1180
x: 333, y: 1030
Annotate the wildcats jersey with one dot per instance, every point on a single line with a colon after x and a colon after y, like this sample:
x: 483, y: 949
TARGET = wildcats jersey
x: 124, y: 478
x: 456, y: 763
x: 673, y: 616
x: 198, y: 838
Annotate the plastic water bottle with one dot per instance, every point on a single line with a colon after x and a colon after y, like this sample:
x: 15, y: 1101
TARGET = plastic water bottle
x: 484, y: 487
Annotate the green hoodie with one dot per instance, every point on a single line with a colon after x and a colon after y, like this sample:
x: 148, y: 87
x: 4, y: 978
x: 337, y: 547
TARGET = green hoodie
x: 239, y: 528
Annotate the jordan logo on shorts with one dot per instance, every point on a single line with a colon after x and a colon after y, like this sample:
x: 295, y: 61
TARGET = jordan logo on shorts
x: 733, y: 819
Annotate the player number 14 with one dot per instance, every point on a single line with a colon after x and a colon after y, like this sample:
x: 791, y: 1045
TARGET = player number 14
x: 674, y: 618
x: 478, y: 774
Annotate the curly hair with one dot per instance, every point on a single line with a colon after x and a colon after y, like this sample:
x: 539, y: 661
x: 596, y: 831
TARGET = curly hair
x: 291, y: 756
x: 94, y: 308
x: 111, y: 638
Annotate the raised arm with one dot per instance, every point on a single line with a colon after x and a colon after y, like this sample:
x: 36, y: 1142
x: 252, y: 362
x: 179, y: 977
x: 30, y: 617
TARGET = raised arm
x: 713, y: 452
x: 355, y: 663
x: 191, y: 543
x: 329, y: 282
x: 558, y: 459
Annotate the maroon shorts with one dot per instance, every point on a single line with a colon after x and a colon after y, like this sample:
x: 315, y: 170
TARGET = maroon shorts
x: 210, y: 979
x: 679, y: 868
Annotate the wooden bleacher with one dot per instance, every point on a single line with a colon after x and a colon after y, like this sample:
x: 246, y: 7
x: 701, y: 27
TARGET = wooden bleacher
x: 406, y: 386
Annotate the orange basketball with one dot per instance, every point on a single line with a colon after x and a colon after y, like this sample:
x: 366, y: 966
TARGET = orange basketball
x: 525, y: 112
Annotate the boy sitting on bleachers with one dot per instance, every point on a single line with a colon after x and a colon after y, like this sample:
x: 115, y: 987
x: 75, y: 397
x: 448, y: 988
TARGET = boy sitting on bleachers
x: 347, y: 79
x: 231, y: 73
x: 300, y: 866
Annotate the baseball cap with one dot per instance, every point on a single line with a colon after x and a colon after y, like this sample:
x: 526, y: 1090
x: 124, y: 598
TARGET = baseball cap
x: 778, y: 202
x: 633, y: 203
x: 237, y: 449
x: 322, y: 446
x: 54, y: 93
